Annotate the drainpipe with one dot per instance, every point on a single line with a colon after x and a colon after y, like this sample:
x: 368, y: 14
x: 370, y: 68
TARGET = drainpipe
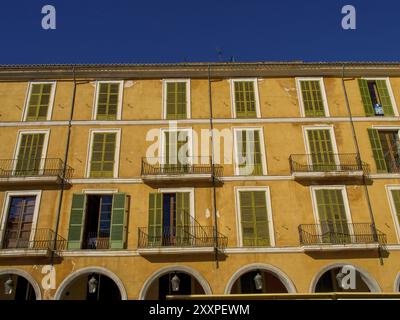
x: 359, y: 162
x: 63, y: 183
x: 215, y: 230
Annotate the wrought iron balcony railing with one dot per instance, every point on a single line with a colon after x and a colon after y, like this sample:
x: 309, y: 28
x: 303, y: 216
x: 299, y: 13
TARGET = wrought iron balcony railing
x: 327, y: 162
x: 190, y: 236
x: 43, y: 239
x: 96, y: 240
x: 340, y: 233
x: 44, y: 167
x: 194, y: 166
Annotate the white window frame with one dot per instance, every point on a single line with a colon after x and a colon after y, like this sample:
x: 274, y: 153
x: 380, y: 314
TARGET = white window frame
x: 116, y: 155
x: 120, y: 98
x: 323, y: 93
x: 6, y: 204
x: 44, y: 150
x: 345, y: 203
x: 256, y: 94
x: 262, y: 147
x: 191, y: 198
x: 239, y: 235
x: 333, y: 139
x: 164, y: 97
x: 390, y: 90
x: 162, y: 148
x: 389, y: 189
x: 51, y: 100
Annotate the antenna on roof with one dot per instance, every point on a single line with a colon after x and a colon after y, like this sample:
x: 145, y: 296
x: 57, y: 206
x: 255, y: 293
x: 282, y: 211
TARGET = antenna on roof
x: 233, y: 59
x: 219, y: 53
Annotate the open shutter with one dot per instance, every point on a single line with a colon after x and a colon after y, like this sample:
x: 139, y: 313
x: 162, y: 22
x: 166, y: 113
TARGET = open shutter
x: 385, y: 97
x: 155, y: 226
x: 396, y: 200
x: 377, y: 150
x: 76, y: 221
x: 366, y: 98
x: 183, y: 233
x: 119, y: 221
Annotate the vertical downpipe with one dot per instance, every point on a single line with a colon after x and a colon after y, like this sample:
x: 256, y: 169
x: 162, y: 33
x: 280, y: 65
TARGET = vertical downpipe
x: 371, y: 214
x: 63, y: 184
x: 215, y: 229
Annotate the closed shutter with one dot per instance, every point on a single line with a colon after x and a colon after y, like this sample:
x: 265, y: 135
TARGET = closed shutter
x: 332, y: 215
x: 377, y: 150
x: 107, y: 101
x: 312, y: 98
x: 173, y: 144
x: 39, y: 101
x: 76, y: 221
x: 396, y: 200
x: 245, y: 99
x: 103, y: 155
x: 155, y: 226
x: 176, y: 103
x: 385, y: 97
x: 254, y: 218
x: 321, y: 148
x: 251, y: 140
x: 366, y: 98
x: 183, y: 225
x: 119, y: 220
x: 30, y: 153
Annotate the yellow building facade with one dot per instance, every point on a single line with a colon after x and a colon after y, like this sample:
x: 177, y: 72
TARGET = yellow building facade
x: 290, y: 171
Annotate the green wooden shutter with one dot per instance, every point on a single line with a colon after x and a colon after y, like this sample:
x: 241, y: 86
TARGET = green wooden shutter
x: 321, y: 149
x: 30, y: 154
x: 39, y: 101
x: 183, y: 234
x: 107, y: 101
x: 245, y: 99
x: 396, y: 200
x: 155, y: 226
x: 385, y: 97
x: 377, y: 150
x: 76, y: 221
x: 332, y: 215
x: 366, y: 98
x: 254, y: 218
x: 176, y: 103
x: 103, y: 155
x: 312, y: 98
x: 119, y: 221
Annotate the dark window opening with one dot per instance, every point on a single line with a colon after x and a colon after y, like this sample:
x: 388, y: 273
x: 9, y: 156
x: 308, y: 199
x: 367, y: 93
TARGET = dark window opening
x: 165, y: 285
x: 375, y: 97
x: 106, y: 289
x: 169, y: 218
x: 96, y: 233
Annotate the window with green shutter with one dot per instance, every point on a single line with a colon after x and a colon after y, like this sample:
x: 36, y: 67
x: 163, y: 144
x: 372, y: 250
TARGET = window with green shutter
x: 332, y: 216
x: 119, y: 221
x: 39, y: 101
x: 249, y: 152
x: 76, y: 221
x: 396, y: 202
x: 377, y: 150
x: 254, y: 218
x: 176, y: 159
x: 321, y: 149
x: 29, y: 156
x: 176, y: 100
x: 375, y: 97
x: 108, y: 100
x: 313, y: 101
x: 245, y: 99
x: 103, y: 154
x: 155, y: 222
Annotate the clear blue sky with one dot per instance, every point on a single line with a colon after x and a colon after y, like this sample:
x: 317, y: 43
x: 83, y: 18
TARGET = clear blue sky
x: 150, y: 31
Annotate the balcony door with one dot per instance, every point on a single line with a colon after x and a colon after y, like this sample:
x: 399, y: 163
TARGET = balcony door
x: 176, y: 152
x: 333, y: 222
x: 29, y: 156
x: 391, y: 149
x: 169, y: 219
x: 322, y: 155
x: 19, y: 221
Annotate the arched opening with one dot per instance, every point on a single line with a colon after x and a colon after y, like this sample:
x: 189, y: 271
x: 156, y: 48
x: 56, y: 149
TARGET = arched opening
x: 92, y: 286
x: 337, y: 279
x: 16, y: 287
x: 258, y: 281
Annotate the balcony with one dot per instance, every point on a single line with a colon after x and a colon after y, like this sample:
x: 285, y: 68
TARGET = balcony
x: 327, y: 166
x: 197, y: 169
x: 40, y: 243
x: 44, y: 171
x: 180, y: 240
x: 330, y: 236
